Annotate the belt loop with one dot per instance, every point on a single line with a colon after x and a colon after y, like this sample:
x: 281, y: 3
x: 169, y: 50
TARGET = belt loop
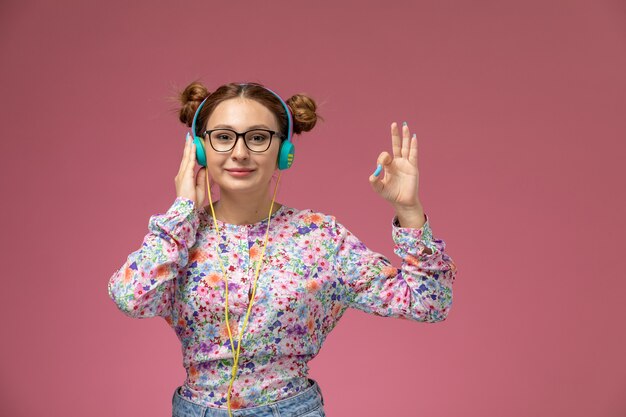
x: 319, y: 392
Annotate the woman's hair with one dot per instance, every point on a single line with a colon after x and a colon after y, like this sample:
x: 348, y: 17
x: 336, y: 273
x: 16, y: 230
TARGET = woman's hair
x: 301, y: 106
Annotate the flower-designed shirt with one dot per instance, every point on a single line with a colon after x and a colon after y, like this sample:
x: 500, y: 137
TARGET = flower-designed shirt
x: 313, y: 269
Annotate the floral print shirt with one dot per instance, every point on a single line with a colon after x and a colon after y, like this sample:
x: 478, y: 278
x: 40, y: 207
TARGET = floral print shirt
x: 312, y: 271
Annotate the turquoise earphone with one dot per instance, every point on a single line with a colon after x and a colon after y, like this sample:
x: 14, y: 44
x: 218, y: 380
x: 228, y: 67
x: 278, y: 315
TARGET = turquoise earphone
x: 285, y: 153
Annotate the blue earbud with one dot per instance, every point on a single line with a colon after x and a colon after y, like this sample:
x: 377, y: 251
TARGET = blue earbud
x: 285, y: 154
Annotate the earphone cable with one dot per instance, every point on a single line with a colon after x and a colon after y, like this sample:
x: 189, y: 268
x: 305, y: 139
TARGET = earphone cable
x: 251, y: 300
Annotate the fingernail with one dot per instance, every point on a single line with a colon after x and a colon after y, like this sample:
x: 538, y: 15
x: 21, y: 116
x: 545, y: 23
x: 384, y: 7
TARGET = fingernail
x: 378, y: 169
x: 403, y: 123
x: 414, y: 135
x: 187, y: 137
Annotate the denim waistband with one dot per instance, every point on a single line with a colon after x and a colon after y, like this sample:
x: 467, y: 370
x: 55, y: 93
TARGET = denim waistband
x: 307, y: 400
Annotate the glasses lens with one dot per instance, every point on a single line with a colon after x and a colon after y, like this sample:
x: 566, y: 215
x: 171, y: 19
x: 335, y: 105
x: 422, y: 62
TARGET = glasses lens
x: 223, y: 140
x: 258, y: 140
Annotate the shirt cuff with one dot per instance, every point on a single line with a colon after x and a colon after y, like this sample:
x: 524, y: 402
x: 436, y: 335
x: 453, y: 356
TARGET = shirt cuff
x: 180, y: 222
x: 182, y: 205
x: 413, y: 241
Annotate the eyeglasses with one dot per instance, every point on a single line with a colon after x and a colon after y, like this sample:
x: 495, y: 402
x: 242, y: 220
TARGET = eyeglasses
x: 223, y: 140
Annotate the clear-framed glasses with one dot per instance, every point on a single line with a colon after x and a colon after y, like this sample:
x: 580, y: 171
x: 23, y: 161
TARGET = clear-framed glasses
x: 223, y: 140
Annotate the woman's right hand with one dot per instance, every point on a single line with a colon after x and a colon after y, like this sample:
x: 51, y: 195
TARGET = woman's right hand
x: 189, y: 185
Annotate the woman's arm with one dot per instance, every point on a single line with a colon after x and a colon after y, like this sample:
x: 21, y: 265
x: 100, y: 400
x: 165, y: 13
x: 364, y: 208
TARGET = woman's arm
x: 420, y: 290
x: 144, y: 285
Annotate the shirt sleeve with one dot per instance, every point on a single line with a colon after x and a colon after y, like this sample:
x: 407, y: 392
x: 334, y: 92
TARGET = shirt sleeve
x: 420, y: 290
x: 143, y: 286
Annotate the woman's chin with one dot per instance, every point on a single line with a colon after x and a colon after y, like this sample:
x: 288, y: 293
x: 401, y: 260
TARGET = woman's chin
x: 238, y: 185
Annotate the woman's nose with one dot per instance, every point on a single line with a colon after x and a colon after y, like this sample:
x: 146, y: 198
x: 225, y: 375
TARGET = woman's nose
x: 240, y: 151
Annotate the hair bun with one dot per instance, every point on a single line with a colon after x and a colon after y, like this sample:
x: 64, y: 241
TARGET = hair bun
x: 190, y: 98
x: 303, y: 109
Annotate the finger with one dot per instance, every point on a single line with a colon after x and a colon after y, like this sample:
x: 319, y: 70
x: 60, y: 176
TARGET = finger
x: 396, y: 142
x: 200, y: 178
x: 201, y: 184
x: 413, y: 150
x: 379, y: 169
x: 384, y: 159
x: 183, y: 161
x: 405, y: 141
x: 376, y: 183
x: 191, y: 158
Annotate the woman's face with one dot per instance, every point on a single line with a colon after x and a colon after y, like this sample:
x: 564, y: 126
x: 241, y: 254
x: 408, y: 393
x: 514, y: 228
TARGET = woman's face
x: 241, y: 170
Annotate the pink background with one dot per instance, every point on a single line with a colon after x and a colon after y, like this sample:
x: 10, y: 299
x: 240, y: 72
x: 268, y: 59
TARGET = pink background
x: 519, y: 108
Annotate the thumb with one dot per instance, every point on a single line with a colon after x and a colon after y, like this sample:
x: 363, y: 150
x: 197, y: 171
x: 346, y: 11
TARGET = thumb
x: 376, y: 183
x: 201, y: 184
x: 384, y: 159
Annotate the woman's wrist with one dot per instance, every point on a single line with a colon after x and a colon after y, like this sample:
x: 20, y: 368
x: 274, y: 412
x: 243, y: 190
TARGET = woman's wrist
x: 412, y: 217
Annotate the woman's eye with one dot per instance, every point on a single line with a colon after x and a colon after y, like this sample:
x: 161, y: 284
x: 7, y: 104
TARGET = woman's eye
x: 223, y: 137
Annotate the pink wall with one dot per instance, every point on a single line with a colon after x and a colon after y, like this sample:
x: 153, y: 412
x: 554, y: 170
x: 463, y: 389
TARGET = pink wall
x: 519, y: 109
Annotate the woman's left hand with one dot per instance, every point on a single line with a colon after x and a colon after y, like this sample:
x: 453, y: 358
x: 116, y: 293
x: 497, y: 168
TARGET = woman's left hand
x: 399, y: 185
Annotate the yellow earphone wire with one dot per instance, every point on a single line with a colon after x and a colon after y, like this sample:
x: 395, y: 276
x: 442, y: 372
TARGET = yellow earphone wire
x: 251, y: 301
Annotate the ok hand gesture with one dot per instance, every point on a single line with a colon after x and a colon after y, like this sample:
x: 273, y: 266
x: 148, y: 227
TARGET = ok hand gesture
x: 400, y: 182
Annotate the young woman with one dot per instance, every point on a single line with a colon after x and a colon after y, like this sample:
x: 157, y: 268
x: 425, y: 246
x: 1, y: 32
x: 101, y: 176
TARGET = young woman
x: 252, y: 287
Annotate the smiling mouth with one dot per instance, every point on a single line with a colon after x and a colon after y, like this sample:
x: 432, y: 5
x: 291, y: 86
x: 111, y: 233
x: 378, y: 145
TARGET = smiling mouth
x: 239, y: 172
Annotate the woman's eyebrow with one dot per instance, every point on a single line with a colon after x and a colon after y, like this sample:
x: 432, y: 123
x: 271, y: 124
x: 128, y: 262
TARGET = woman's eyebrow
x: 250, y: 127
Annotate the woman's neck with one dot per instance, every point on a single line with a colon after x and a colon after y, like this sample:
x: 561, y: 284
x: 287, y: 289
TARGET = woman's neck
x: 243, y: 209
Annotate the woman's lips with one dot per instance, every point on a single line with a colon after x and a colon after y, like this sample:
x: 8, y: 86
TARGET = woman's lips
x: 239, y: 172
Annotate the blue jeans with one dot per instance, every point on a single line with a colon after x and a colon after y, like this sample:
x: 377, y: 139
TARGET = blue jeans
x: 307, y: 403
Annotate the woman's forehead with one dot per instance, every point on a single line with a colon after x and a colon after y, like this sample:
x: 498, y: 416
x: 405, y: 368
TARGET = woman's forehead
x: 241, y: 113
